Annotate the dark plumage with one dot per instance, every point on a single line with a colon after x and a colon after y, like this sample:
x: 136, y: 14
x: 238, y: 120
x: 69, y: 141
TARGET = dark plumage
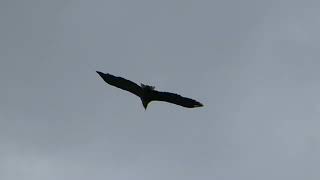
x: 148, y: 93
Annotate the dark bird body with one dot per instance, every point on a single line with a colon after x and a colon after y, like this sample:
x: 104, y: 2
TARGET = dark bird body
x: 148, y: 93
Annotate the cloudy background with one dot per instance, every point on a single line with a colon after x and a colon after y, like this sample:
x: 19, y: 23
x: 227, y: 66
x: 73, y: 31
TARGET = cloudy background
x: 255, y: 65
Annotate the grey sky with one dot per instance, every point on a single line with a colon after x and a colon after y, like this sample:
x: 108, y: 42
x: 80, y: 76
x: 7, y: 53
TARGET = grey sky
x: 253, y: 64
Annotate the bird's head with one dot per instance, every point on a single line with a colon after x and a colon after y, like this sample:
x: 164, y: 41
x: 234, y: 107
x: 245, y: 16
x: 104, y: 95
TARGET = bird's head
x: 147, y: 87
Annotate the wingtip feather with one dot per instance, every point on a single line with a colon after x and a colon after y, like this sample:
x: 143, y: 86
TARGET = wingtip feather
x: 198, y: 104
x: 100, y: 73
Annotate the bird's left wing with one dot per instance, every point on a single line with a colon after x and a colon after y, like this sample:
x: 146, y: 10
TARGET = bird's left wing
x: 175, y: 99
x: 121, y: 83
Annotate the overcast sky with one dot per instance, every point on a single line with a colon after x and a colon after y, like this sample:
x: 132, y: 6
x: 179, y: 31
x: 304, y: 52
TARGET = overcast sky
x: 254, y: 64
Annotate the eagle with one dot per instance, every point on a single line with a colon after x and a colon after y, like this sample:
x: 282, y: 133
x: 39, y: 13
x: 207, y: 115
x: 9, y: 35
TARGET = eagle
x: 148, y: 93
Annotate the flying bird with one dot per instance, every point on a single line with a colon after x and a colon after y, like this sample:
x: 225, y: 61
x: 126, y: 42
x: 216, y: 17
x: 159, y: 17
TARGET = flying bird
x: 148, y: 93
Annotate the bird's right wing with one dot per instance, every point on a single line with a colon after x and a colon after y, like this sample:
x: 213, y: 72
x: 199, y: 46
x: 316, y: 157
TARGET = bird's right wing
x: 175, y: 99
x: 121, y: 83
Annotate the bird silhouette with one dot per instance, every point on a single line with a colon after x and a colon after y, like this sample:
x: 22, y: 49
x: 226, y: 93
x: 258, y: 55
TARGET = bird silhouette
x: 148, y: 93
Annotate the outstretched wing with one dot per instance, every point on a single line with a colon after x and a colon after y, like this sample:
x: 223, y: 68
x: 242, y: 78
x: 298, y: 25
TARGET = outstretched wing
x: 121, y: 83
x: 175, y: 99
